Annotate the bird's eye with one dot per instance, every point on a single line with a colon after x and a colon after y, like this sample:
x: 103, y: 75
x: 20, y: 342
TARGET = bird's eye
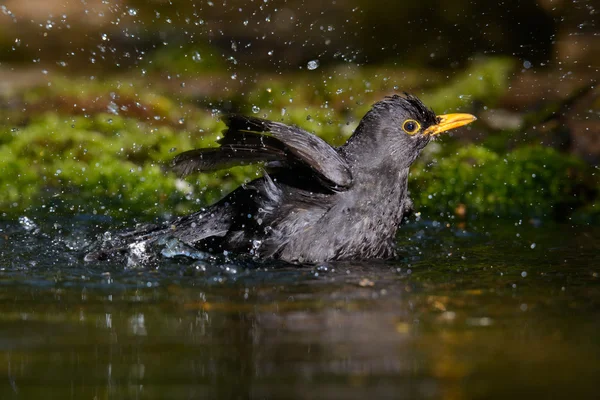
x: 411, y: 126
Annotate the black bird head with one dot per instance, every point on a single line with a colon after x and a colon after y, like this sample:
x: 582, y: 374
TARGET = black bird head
x: 393, y: 133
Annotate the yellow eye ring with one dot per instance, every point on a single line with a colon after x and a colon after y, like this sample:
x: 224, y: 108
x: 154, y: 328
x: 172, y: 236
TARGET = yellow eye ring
x: 411, y: 126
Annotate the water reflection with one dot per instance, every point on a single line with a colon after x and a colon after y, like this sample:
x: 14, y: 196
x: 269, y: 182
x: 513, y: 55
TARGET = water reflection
x: 455, y: 319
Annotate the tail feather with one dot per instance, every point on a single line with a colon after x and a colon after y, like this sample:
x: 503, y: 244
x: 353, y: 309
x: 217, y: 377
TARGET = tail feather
x: 192, y: 229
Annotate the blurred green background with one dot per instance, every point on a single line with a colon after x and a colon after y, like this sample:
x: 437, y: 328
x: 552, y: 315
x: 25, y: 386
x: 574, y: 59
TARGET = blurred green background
x: 97, y: 96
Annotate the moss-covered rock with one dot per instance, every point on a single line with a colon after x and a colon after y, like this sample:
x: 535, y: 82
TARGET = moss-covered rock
x: 102, y: 145
x: 529, y: 181
x: 104, y: 162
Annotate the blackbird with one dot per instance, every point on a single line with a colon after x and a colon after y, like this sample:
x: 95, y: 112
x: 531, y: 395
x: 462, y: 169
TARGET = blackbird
x: 314, y: 202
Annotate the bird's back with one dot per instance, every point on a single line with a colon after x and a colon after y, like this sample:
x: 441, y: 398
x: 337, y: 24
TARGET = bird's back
x: 295, y: 224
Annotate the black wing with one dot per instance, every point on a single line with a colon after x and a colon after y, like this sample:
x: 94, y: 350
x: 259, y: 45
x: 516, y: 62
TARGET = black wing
x: 250, y: 140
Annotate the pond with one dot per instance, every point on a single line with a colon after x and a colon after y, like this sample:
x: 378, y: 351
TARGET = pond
x: 472, y: 309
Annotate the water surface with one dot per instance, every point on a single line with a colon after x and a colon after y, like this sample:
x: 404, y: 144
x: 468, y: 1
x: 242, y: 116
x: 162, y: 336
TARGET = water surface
x: 478, y: 309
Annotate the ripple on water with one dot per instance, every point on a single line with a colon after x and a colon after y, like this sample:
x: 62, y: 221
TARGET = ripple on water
x: 463, y: 307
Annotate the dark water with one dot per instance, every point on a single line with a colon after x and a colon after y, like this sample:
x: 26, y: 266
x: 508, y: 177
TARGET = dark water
x: 483, y: 309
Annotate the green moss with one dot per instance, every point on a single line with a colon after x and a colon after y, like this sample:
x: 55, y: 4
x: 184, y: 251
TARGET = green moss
x: 101, y: 146
x: 533, y: 181
x: 19, y: 183
x: 104, y: 162
x: 115, y: 165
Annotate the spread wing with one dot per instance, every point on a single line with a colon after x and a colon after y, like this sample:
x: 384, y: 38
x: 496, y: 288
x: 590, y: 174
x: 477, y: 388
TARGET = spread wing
x: 251, y: 140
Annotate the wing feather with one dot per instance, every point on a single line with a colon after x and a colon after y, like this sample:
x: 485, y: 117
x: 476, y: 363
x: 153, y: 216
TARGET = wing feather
x: 251, y: 140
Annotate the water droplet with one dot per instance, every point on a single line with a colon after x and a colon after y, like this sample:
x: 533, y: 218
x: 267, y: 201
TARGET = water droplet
x: 255, y: 109
x: 113, y: 108
x: 27, y: 223
x: 312, y: 65
x: 196, y: 56
x: 255, y: 246
x: 132, y: 12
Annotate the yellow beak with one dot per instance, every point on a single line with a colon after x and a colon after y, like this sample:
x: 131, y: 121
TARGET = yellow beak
x: 449, y: 121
